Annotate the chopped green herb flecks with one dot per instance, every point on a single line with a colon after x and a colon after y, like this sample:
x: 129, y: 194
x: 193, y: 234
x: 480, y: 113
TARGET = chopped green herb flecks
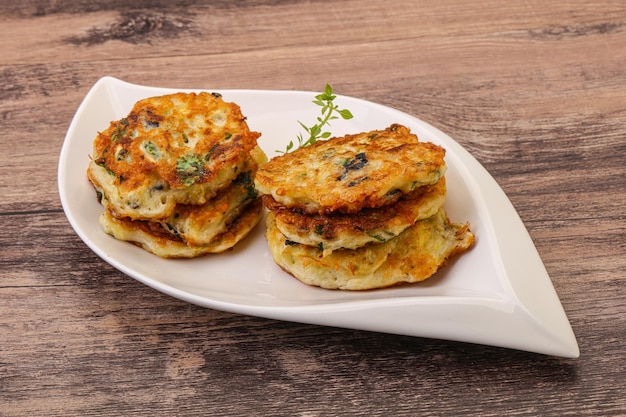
x: 103, y: 165
x: 190, y: 168
x: 329, y: 112
x: 121, y: 154
x: 153, y: 124
x: 379, y: 237
x: 343, y: 161
x: 245, y: 180
x: 120, y: 129
x: 354, y: 164
x: 357, y: 162
x: 152, y: 149
x: 211, y: 151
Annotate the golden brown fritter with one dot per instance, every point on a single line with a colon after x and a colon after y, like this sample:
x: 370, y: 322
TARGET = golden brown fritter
x: 177, y: 148
x: 340, y: 230
x: 347, y: 174
x: 198, y: 225
x: 413, y: 256
x: 154, y: 238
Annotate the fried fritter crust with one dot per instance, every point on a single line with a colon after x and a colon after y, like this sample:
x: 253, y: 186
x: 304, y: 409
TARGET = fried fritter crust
x: 200, y: 224
x: 153, y: 238
x: 177, y: 148
x: 339, y: 230
x: 413, y: 256
x: 347, y: 174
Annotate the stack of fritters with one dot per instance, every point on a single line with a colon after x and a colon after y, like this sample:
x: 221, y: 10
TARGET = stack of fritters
x: 176, y: 175
x: 360, y: 212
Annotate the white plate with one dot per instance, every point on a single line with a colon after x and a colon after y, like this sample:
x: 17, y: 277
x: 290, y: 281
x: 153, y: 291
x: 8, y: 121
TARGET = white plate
x: 498, y: 293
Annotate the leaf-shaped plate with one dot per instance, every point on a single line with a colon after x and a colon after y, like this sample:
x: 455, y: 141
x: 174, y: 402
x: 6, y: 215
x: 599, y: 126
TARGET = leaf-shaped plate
x: 498, y: 293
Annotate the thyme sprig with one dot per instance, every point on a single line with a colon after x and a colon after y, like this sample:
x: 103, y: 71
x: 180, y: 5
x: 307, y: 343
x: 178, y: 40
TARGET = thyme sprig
x: 329, y: 112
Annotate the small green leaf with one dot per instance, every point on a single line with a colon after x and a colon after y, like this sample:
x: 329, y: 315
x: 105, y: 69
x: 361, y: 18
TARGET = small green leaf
x: 346, y: 114
x: 328, y: 110
x: 315, y: 130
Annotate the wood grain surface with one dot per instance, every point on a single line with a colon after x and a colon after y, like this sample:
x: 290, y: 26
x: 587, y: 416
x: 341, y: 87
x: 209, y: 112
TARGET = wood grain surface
x: 535, y: 90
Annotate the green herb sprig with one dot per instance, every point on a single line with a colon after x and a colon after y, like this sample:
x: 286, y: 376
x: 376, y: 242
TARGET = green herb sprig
x: 329, y: 112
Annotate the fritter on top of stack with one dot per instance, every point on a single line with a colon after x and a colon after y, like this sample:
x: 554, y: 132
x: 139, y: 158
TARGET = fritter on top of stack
x: 360, y: 212
x: 176, y: 175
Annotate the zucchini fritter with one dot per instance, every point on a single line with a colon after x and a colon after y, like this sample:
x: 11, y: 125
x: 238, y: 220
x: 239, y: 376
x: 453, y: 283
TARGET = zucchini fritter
x: 178, y: 148
x: 175, y: 176
x: 153, y: 238
x: 360, y: 212
x: 340, y: 230
x: 413, y: 256
x: 353, y: 172
x: 199, y: 225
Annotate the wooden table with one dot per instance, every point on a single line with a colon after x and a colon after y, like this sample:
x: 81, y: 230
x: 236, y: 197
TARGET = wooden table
x: 535, y: 90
